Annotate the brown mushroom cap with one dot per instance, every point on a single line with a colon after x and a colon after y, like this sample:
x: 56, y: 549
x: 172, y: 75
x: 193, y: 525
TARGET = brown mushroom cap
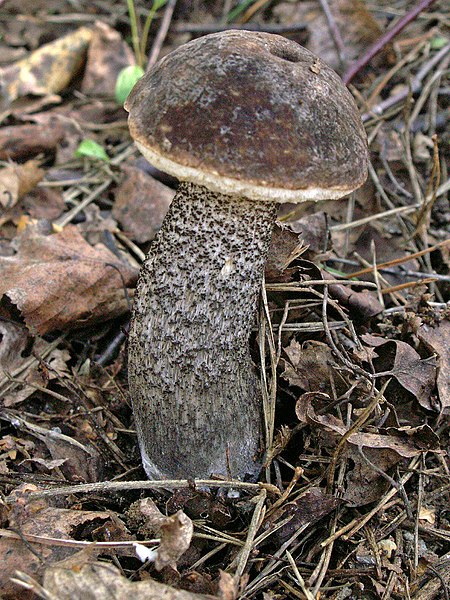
x: 250, y: 114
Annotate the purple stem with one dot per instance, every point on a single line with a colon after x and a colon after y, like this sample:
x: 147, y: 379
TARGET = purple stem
x: 381, y: 42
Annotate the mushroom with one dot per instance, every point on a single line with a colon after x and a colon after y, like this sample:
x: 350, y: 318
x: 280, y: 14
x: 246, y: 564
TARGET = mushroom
x: 245, y: 121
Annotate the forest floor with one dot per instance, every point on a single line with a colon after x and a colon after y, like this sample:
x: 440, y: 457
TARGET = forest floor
x: 354, y: 499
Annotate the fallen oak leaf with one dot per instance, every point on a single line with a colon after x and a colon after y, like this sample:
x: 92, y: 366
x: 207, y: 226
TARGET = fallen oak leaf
x: 60, y: 280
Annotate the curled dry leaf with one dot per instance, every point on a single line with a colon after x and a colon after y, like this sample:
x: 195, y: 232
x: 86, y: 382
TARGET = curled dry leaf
x: 22, y: 141
x: 17, y: 357
x: 141, y: 204
x: 175, y: 532
x: 285, y: 246
x: 309, y: 508
x: 102, y: 581
x: 45, y: 522
x: 361, y: 305
x: 405, y: 444
x: 311, y: 367
x: 414, y: 374
x: 107, y: 55
x: 17, y: 180
x: 437, y: 340
x: 60, y: 280
x: 314, y: 233
x: 47, y: 70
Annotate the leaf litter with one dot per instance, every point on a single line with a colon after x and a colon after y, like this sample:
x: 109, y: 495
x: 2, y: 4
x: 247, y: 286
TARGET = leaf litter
x: 353, y: 500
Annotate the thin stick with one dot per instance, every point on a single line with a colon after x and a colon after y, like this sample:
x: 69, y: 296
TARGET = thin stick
x: 51, y: 541
x: 300, y: 285
x: 399, y: 261
x: 162, y: 34
x: 334, y: 30
x: 382, y: 41
x: 169, y: 484
x: 258, y: 515
x: 416, y: 85
x: 300, y: 579
x: 408, y: 284
x: 387, y: 213
x: 269, y: 390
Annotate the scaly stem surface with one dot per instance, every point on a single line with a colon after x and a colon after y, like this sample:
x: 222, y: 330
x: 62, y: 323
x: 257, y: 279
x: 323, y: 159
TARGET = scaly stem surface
x: 195, y: 392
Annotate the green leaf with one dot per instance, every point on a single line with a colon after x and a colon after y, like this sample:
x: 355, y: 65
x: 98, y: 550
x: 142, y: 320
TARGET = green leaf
x: 126, y: 81
x: 91, y: 149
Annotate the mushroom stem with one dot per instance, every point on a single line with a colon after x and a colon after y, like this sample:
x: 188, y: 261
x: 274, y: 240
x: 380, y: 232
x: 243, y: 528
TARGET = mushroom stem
x: 196, y: 395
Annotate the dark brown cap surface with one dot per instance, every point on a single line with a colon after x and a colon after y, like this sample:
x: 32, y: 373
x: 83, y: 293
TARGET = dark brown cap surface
x: 252, y: 114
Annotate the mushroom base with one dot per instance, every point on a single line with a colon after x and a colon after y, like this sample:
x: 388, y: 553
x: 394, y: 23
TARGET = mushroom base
x: 195, y: 391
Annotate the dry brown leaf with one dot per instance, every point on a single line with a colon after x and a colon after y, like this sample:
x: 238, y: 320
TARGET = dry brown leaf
x: 228, y: 586
x: 47, y: 70
x: 309, y: 508
x: 107, y: 55
x: 412, y: 373
x: 311, y: 367
x: 17, y: 180
x: 409, y: 444
x: 314, y: 233
x: 175, y: 532
x: 285, y: 246
x: 60, y: 280
x: 141, y: 204
x: 437, y: 340
x: 102, y: 581
x: 16, y: 345
x: 361, y: 305
x: 46, y: 522
x: 23, y: 141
